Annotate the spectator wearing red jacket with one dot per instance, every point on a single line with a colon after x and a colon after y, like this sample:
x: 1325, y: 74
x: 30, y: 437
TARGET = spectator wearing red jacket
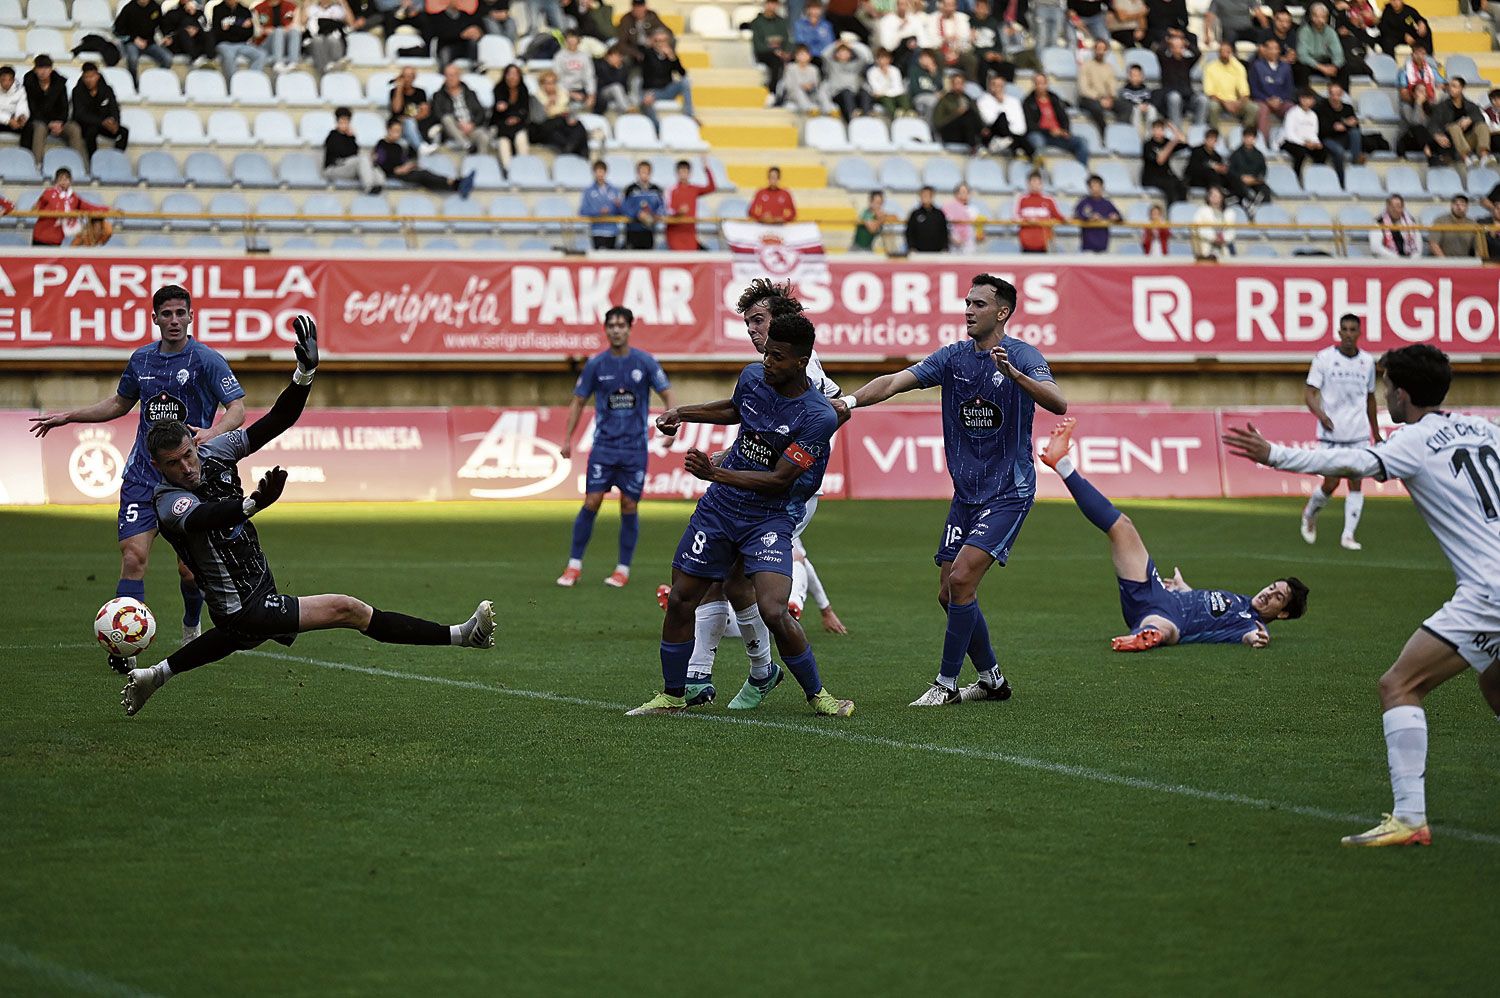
x: 772, y: 205
x: 1034, y: 207
x: 60, y: 197
x: 682, y: 202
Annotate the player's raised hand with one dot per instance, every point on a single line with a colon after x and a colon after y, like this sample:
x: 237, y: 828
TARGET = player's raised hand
x: 698, y: 465
x: 1002, y: 361
x: 831, y: 622
x: 48, y: 421
x: 270, y: 488
x: 669, y: 422
x: 307, y: 343
x: 1258, y: 638
x: 1247, y: 442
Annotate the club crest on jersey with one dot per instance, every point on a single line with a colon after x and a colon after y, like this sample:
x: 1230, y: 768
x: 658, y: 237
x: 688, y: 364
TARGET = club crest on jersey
x: 636, y: 375
x: 182, y: 376
x: 980, y: 415
x: 182, y: 505
x: 997, y: 379
x: 768, y: 539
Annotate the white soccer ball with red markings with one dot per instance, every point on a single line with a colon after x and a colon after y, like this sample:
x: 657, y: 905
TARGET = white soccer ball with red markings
x: 125, y: 626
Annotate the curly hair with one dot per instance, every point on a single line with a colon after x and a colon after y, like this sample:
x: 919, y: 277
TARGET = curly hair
x: 778, y: 298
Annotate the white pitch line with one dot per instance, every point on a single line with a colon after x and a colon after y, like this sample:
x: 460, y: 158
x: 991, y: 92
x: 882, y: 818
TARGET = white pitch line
x: 68, y: 977
x: 831, y: 730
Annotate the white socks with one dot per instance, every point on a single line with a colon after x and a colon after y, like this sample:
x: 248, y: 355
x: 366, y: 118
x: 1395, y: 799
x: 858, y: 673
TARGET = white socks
x: 757, y: 638
x: 1065, y: 467
x: 1354, y: 505
x: 1315, y: 502
x: 576, y: 563
x: 623, y: 570
x: 708, y: 631
x: 1406, y: 751
x: 799, y: 582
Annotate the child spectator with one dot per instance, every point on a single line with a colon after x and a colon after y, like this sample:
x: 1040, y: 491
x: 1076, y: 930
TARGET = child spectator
x: 1213, y: 236
x: 396, y: 160
x: 886, y: 85
x: 801, y: 85
x: 1155, y: 237
x: 601, y: 201
x: 1032, y: 210
x: 682, y: 203
x: 871, y: 223
x: 342, y: 159
x: 1095, y: 211
x: 844, y: 79
x: 961, y: 218
x: 643, y: 204
x: 60, y: 197
x: 772, y: 205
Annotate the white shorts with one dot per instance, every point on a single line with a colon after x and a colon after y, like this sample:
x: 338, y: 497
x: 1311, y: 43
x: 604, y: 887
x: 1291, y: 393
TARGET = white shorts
x: 1470, y: 623
x: 807, y: 515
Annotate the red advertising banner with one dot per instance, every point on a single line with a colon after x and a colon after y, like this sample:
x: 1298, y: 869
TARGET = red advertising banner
x: 492, y: 308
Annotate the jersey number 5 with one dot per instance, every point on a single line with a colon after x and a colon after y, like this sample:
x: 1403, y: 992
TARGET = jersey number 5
x: 1482, y: 473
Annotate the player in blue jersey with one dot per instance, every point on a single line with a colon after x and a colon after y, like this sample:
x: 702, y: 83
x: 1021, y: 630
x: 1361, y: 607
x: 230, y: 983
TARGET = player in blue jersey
x: 991, y: 386
x: 1170, y: 612
x: 176, y: 378
x: 621, y: 380
x: 758, y: 492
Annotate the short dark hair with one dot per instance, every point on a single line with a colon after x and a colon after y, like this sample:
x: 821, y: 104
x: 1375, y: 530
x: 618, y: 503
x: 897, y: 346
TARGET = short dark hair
x: 778, y: 298
x: 645, y: 162
x: 7, y: 69
x: 1296, y: 598
x: 1033, y: 175
x: 166, y: 435
x: 340, y: 113
x: 1452, y: 79
x: 1004, y: 290
x: 62, y: 171
x: 1212, y: 131
x: 89, y: 67
x: 622, y: 312
x: 681, y: 163
x: 1094, y: 176
x: 926, y: 189
x: 393, y: 121
x: 170, y: 292
x: 876, y: 194
x: 42, y: 61
x: 794, y: 330
x: 1348, y: 317
x: 599, y: 164
x: 1422, y: 371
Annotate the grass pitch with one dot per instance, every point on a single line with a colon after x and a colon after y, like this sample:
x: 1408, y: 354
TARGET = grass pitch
x: 322, y: 820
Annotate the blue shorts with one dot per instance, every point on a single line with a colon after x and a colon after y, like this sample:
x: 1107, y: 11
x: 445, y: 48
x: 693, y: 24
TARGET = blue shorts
x: 1139, y: 600
x: 137, y: 508
x: 992, y: 527
x: 628, y: 474
x: 713, y: 542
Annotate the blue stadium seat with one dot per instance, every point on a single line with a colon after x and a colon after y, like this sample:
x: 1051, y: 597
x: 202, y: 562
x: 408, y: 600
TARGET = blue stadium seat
x: 496, y: 51
x: 306, y: 243
x: 275, y: 128
x: 1283, y: 181
x: 369, y: 128
x: 48, y: 14
x: 206, y: 87
x: 459, y: 210
x: 529, y: 173
x: 1444, y: 182
x: 207, y: 242
x: 392, y: 244
x: 315, y: 126
x: 1315, y: 214
x: 378, y: 89
x: 735, y: 207
x: 204, y: 169
x: 534, y: 244
x: 1146, y: 59
x: 439, y: 164
x: 1482, y: 180
x: 1376, y: 106
x: 1463, y: 66
x: 181, y: 127
x: 157, y: 240
x: 118, y: 78
x: 912, y: 134
x: 680, y: 134
x: 354, y: 243
x: 441, y: 244
x: 572, y: 173
x: 1256, y: 249
x: 1383, y: 68
x: 721, y: 174
x: 227, y: 208
x: 855, y: 175
x: 1019, y: 170
x: 941, y: 174
x: 1182, y: 212
x: 301, y: 170
x: 1085, y: 130
x: 1321, y: 181
x: 556, y: 207
x: 1070, y: 177
x: 56, y: 158
x: 135, y: 201
x: 1358, y: 214
x: 1059, y: 63
x: 159, y: 86
x: 247, y: 87
x: 373, y: 204
x: 490, y: 244
x: 486, y: 170
x: 251, y: 169
x: 111, y: 166
x: 1363, y: 182
x: 1123, y: 140
x: 898, y: 174
x: 634, y: 131
x: 142, y: 125
x: 182, y: 203
x: 159, y: 169
x: 1406, y: 181
x: 1271, y: 214
x: 229, y: 128
x: 278, y: 204
x: 11, y: 49
x: 510, y: 206
x: 620, y: 170
x: 1430, y: 214
x: 342, y: 88
x: 869, y: 134
x: 364, y: 50
x: 297, y: 89
x: 1119, y: 179
x: 986, y: 177
x: 825, y: 135
x: 411, y: 205
x: 325, y: 204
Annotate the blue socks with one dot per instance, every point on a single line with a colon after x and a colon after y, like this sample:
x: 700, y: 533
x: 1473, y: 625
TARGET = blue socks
x: 963, y: 619
x: 135, y: 588
x: 805, y: 669
x: 192, y: 604
x: 981, y: 652
x: 674, y: 666
x: 583, y: 529
x: 1091, y: 502
x: 630, y: 531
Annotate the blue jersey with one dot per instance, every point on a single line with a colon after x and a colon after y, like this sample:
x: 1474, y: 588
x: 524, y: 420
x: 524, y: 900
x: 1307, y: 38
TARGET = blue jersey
x: 774, y: 428
x: 621, y: 387
x: 188, y: 386
x: 986, y: 418
x: 1212, y: 616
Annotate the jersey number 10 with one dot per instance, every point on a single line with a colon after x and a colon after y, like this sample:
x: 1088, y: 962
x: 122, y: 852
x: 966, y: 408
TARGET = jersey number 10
x: 1482, y: 476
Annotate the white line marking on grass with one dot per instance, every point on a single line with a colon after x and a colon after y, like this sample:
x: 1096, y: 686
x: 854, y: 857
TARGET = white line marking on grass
x: 830, y: 730
x: 65, y: 976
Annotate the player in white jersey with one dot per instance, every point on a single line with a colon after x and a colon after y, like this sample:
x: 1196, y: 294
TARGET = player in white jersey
x: 1340, y: 391
x: 1451, y: 466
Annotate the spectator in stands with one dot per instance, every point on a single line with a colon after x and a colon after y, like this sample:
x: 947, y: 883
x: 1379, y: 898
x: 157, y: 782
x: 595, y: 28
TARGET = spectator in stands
x: 1232, y: 21
x: 510, y: 114
x: 1134, y: 99
x: 1320, y: 52
x: 233, y: 30
x: 457, y: 108
x: 559, y: 128
x: 1402, y: 24
x: 643, y: 204
x: 1213, y: 235
x: 633, y: 33
x: 1397, y: 235
x: 771, y: 205
x: 1285, y: 34
x: 1463, y: 234
x: 342, y: 159
x: 1492, y: 112
x: 771, y: 44
x: 854, y: 17
x: 278, y: 30
x: 1156, y: 160
x: 1047, y: 122
x: 844, y: 80
x: 1247, y: 165
x: 453, y: 33
x: 904, y: 32
x: 813, y: 31
x: 1034, y: 210
x: 926, y: 226
x: 1177, y: 92
x: 409, y: 103
x: 1090, y: 14
x: 329, y: 20
x: 886, y: 86
x: 682, y: 203
x: 1156, y: 236
x: 495, y: 19
x: 185, y: 32
x: 663, y: 77
x: 1206, y: 167
x: 47, y: 102
x: 616, y: 90
x: 990, y: 56
x: 543, y: 13
x: 97, y: 111
x: 955, y: 119
x: 1161, y: 17
x: 955, y: 38
x: 802, y: 85
x: 1338, y: 127
x: 1227, y: 89
x: 1097, y: 84
x: 1004, y: 120
x: 395, y: 160
x: 924, y: 84
x: 1299, y: 135
x: 138, y: 28
x: 961, y: 216
x: 60, y: 197
x: 14, y: 111
x: 1096, y: 212
x: 871, y: 223
x: 1418, y: 86
x: 1271, y: 86
x: 602, y: 200
x: 1126, y: 22
x: 575, y: 69
x: 1050, y: 24
x: 1458, y: 130
x: 596, y: 21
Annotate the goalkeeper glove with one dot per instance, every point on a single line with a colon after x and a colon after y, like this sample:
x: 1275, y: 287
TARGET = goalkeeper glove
x: 306, y: 348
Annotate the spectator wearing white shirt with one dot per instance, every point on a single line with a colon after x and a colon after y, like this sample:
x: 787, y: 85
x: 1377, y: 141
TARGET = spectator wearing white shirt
x: 1397, y: 238
x: 575, y: 69
x: 802, y: 84
x: 1003, y: 117
x: 906, y: 31
x: 955, y: 38
x: 887, y: 86
x: 1299, y: 134
x: 14, y: 111
x: 1213, y: 236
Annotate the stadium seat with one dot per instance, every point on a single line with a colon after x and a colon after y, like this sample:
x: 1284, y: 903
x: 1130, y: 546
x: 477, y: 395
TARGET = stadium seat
x: 1444, y: 182
x: 1482, y: 180
x: 181, y: 127
x: 509, y: 206
x: 486, y: 170
x: 59, y: 157
x: 869, y: 134
x: 315, y: 126
x: 986, y: 177
x: 1463, y: 66
x: 1283, y: 181
x: 734, y: 208
x: 1137, y: 211
x: 204, y: 169
x: 206, y: 87
x: 18, y: 165
x: 1376, y: 106
x: 1430, y: 214
x: 898, y: 174
x: 597, y: 125
x: 275, y: 128
x: 11, y: 48
x: 490, y: 244
x: 157, y: 240
x: 142, y: 126
x: 1274, y: 214
x: 10, y: 13
x: 855, y: 175
x: 1363, y: 182
x: 301, y: 170
x: 442, y: 244
x: 111, y: 166
x: 680, y: 134
x: 93, y: 14
x: 297, y: 89
x: 159, y: 86
x: 158, y: 169
x: 1321, y: 181
x: 376, y: 205
x: 48, y: 14
x: 620, y: 170
x: 1182, y: 212
x: 181, y: 203
x: 133, y: 202
x: 251, y: 169
x: 439, y: 164
x: 1315, y: 214
x: 118, y: 78
x: 496, y: 52
x: 941, y: 174
x: 409, y: 206
x: 399, y: 40
x: 50, y: 41
x: 1085, y: 130
x: 229, y: 210
x: 1019, y: 170
x: 378, y: 89
x: 458, y: 209
x: 572, y: 173
x: 529, y: 173
x: 1406, y: 181
x: 277, y: 204
x: 1123, y: 140
x: 1358, y: 214
x: 721, y: 174
x: 395, y: 244
x: 1069, y: 177
x: 552, y: 207
x: 1146, y: 59
x: 364, y: 50
x: 229, y: 128
x: 1119, y: 179
x: 1255, y: 249
x: 711, y: 22
x: 369, y: 128
x: 825, y: 134
x: 247, y: 87
x: 325, y: 205
x: 1060, y: 63
x: 635, y: 131
x: 912, y: 134
x: 308, y: 243
x: 342, y: 88
x: 1383, y: 68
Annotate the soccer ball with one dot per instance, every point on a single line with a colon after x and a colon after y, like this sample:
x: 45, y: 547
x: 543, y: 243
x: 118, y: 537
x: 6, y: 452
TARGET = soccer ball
x: 124, y: 626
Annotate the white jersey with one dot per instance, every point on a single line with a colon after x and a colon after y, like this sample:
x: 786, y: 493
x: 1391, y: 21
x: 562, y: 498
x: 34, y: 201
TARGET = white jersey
x: 823, y: 383
x: 1345, y: 384
x: 1450, y: 464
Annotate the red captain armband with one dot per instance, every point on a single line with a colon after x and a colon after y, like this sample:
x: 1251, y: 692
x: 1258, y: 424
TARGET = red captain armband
x: 798, y: 456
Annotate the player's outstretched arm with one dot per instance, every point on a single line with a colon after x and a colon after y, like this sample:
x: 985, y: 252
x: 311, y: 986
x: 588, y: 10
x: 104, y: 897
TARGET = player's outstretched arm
x: 233, y: 419
x: 227, y: 513
x: 293, y: 398
x: 722, y: 413
x: 1343, y: 462
x: 1044, y: 393
x: 881, y: 388
x: 1258, y: 638
x: 100, y: 412
x: 773, y: 482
